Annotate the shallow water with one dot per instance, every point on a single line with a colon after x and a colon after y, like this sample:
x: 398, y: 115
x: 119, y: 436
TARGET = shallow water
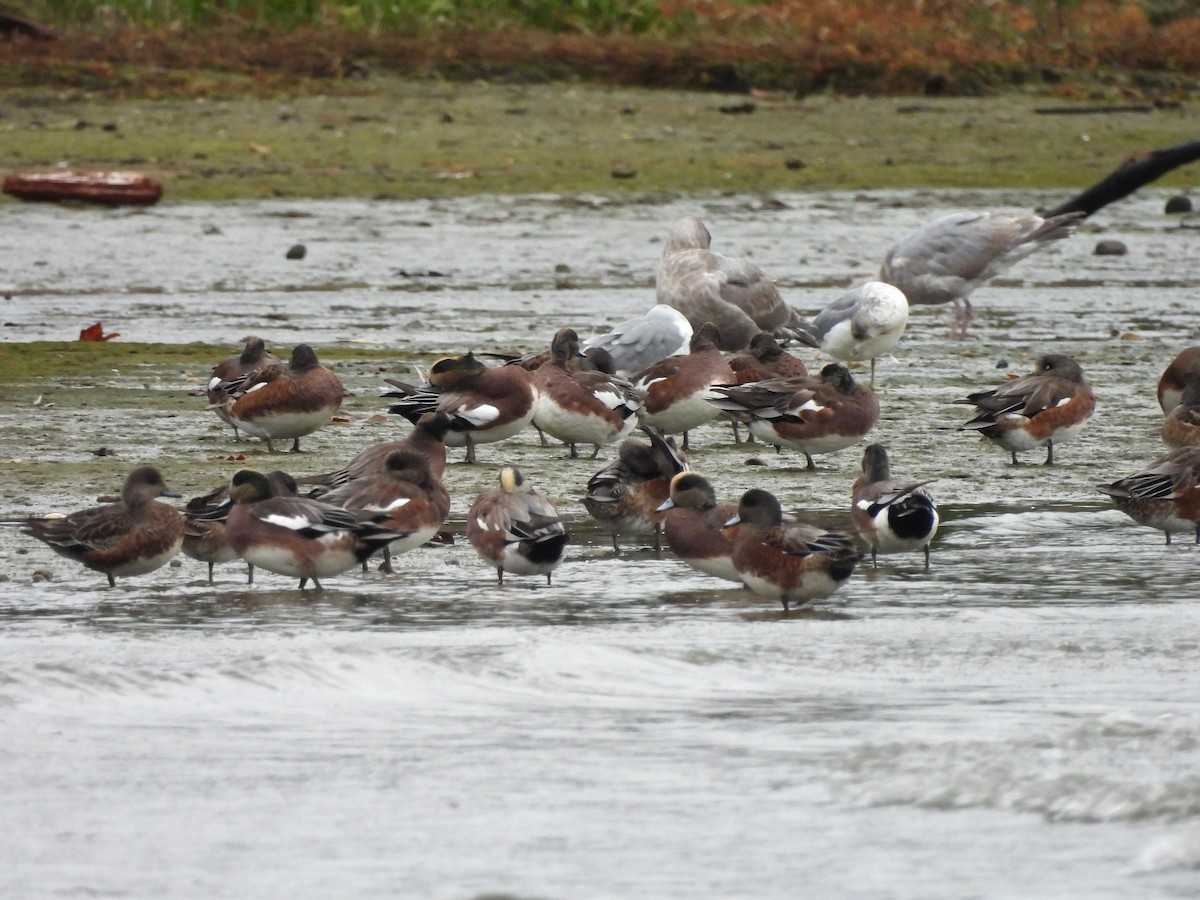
x: 1022, y: 720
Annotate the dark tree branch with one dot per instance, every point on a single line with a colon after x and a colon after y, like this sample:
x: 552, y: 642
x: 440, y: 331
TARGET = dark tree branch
x: 1128, y: 177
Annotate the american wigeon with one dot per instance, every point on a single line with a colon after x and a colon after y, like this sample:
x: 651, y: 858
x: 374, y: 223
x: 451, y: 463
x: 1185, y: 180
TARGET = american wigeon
x: 625, y: 495
x: 1164, y: 495
x: 863, y: 323
x: 298, y: 536
x: 1046, y: 407
x: 253, y: 357
x: 1181, y: 427
x: 790, y: 562
x: 1170, y: 383
x: 642, y: 341
x: 206, y: 538
x: 765, y: 359
x: 677, y: 389
x: 427, y: 437
x: 695, y: 526
x: 413, y: 498
x: 945, y: 260
x: 133, y: 536
x: 813, y: 415
x: 283, y: 401
x: 516, y: 529
x: 580, y: 407
x: 485, y: 404
x: 891, y: 517
x: 732, y: 293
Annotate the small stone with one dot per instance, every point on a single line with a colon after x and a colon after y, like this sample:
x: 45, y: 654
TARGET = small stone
x: 754, y: 461
x: 623, y: 170
x: 1110, y: 247
x: 1178, y: 204
x: 42, y: 575
x: 297, y: 251
x: 794, y: 163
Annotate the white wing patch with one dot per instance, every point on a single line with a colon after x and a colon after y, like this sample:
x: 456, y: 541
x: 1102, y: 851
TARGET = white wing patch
x: 295, y: 523
x: 478, y: 415
x: 396, y: 504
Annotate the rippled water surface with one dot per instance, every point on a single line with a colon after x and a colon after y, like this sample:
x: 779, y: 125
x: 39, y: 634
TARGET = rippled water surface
x: 1022, y: 720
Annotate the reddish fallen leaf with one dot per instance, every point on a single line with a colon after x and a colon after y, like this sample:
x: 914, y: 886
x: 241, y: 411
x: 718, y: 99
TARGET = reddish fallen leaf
x: 96, y: 333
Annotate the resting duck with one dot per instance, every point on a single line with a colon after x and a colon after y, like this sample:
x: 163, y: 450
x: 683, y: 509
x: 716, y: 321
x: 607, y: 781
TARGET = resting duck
x: 427, y: 437
x: 677, y: 389
x: 1181, y: 427
x: 516, y: 529
x: 1047, y: 407
x: 582, y: 407
x: 812, y: 415
x: 792, y: 562
x: 1164, y: 495
x: 233, y: 368
x: 625, y: 496
x: 410, y: 497
x: 1171, y: 382
x: 283, y: 401
x: 134, y: 536
x: 206, y: 538
x: 298, y: 536
x: 891, y: 518
x: 695, y: 526
x: 485, y: 404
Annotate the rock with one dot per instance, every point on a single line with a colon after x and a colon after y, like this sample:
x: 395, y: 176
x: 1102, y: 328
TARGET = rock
x: 1110, y: 247
x: 1178, y: 204
x: 623, y: 170
x: 297, y: 251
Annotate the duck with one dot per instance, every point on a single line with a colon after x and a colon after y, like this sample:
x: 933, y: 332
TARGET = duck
x: 677, y: 389
x: 406, y: 490
x: 891, y: 518
x: 695, y: 526
x: 283, y: 401
x: 1049, y: 406
x: 427, y: 437
x: 299, y: 536
x: 862, y: 324
x: 625, y: 495
x: 640, y: 342
x: 733, y: 293
x: 945, y: 260
x: 254, y: 356
x: 813, y: 415
x: 134, y: 536
x: 1181, y: 427
x: 580, y: 407
x: 1170, y: 383
x: 792, y: 562
x: 1164, y: 495
x: 516, y: 529
x: 206, y: 539
x: 765, y: 359
x: 486, y: 404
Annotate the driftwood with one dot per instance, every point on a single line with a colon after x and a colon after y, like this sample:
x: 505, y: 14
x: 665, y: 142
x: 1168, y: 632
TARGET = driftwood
x: 11, y: 25
x: 1092, y: 110
x: 1128, y: 177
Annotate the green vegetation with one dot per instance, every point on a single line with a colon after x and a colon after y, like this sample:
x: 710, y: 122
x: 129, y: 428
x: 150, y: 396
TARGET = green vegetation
x: 416, y: 138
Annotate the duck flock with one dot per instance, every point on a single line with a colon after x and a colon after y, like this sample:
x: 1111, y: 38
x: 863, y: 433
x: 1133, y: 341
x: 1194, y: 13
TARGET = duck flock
x: 714, y: 346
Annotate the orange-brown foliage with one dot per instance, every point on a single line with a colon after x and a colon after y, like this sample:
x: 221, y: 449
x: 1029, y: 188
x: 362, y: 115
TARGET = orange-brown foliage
x: 862, y: 45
